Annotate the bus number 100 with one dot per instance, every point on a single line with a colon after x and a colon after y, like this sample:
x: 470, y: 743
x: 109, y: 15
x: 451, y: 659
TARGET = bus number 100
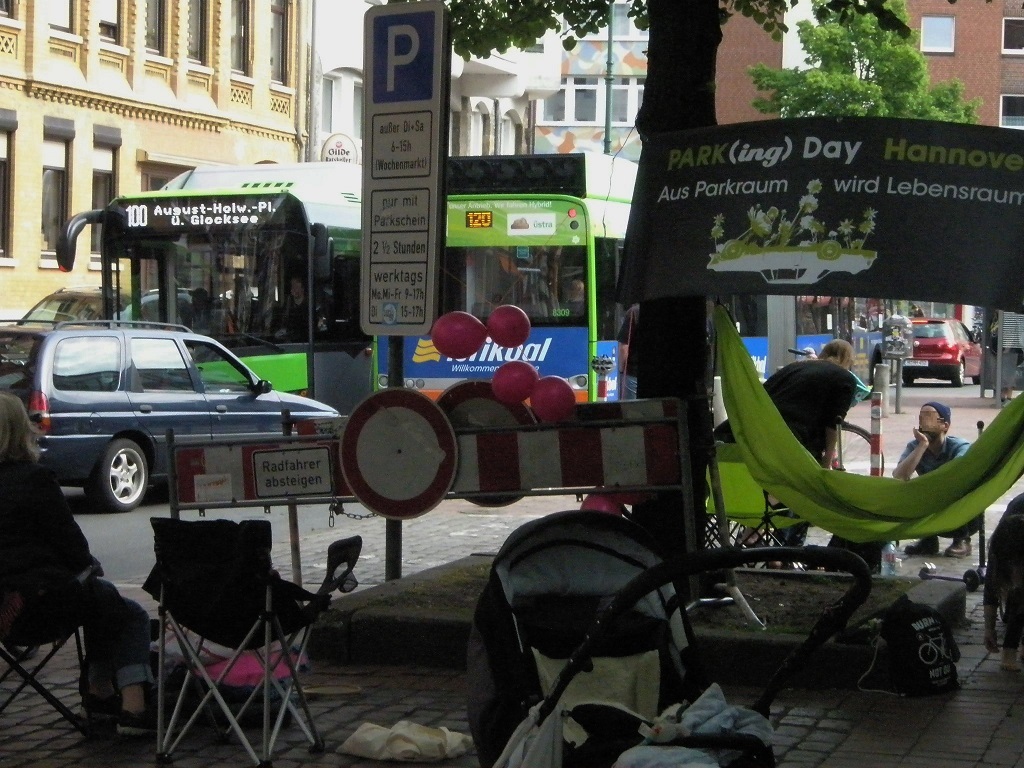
x: 138, y: 215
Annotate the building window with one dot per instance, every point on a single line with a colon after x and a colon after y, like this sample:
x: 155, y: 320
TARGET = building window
x: 327, y: 105
x: 240, y: 36
x: 197, y: 35
x: 582, y: 100
x: 575, y: 103
x: 102, y: 187
x: 627, y: 96
x: 152, y: 180
x: 1012, y: 112
x: 341, y: 104
x: 357, y: 109
x: 59, y: 14
x: 5, y: 199
x: 279, y: 41
x: 623, y: 27
x: 55, y: 191
x: 937, y: 34
x: 554, y: 106
x: 109, y: 12
x: 156, y: 30
x: 5, y: 7
x: 1013, y: 35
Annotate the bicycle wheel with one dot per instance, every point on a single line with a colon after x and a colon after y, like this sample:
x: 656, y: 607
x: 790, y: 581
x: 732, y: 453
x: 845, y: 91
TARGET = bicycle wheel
x: 854, y: 454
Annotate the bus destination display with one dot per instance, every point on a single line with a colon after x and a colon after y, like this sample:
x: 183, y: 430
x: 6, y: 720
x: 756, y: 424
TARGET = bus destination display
x: 173, y: 214
x: 479, y: 219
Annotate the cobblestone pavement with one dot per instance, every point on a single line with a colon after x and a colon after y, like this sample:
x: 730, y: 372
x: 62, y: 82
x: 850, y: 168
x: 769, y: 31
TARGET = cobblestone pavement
x: 980, y: 725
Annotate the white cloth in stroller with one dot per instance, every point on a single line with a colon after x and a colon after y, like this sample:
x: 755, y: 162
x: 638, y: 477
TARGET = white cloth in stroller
x: 710, y: 714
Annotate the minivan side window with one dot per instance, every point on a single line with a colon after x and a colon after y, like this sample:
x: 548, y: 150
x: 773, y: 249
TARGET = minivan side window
x: 160, y: 366
x: 218, y: 373
x: 87, y: 364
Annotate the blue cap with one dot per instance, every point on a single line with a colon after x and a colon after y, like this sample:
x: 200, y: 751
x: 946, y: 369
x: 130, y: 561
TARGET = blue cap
x: 942, y: 409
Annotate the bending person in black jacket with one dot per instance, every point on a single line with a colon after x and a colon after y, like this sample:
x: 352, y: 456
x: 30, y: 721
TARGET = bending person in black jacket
x: 43, y: 552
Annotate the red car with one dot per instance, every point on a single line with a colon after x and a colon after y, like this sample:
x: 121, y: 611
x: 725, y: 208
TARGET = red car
x: 944, y: 348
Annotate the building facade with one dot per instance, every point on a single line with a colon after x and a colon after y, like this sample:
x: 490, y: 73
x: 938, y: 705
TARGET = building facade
x: 100, y: 98
x: 491, y: 103
x: 981, y: 44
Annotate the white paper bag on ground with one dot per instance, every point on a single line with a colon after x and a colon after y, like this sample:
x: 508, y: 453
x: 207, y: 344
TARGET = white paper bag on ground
x: 406, y: 740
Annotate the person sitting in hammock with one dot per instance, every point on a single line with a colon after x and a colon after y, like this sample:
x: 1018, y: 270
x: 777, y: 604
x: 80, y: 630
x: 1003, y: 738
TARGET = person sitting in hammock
x: 930, y: 449
x: 813, y: 397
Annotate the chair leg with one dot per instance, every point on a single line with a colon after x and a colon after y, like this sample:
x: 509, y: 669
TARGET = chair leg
x: 28, y: 678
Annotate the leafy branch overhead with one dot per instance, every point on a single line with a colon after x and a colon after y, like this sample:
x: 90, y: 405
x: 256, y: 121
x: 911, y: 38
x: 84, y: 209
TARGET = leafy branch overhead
x: 480, y: 27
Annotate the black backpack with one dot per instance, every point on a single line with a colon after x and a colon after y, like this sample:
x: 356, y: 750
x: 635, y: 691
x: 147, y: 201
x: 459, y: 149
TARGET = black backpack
x: 922, y: 650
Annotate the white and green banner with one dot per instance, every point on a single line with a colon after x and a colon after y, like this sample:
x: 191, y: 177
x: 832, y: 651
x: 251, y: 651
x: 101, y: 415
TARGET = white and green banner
x: 833, y: 206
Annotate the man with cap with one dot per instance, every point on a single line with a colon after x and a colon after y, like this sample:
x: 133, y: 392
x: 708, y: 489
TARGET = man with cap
x: 930, y: 449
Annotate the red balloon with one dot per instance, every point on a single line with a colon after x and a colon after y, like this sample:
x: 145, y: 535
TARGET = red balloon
x: 513, y: 382
x: 508, y: 326
x: 552, y: 399
x: 602, y: 502
x: 458, y: 334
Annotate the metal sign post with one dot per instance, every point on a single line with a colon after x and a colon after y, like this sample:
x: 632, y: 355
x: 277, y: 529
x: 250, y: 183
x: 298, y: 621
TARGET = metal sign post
x: 407, y: 74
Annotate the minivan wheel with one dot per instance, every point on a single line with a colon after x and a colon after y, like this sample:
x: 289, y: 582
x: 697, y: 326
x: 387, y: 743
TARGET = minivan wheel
x: 120, y: 479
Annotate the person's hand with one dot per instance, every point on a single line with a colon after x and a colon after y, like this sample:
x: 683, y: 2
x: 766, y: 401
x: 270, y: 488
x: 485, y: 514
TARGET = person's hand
x: 991, y: 642
x: 921, y: 437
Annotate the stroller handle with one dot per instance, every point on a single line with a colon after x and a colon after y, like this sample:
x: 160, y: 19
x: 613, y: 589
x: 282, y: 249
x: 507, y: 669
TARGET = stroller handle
x: 833, y: 618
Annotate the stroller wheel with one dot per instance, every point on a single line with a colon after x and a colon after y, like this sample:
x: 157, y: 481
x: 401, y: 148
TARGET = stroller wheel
x: 972, y: 579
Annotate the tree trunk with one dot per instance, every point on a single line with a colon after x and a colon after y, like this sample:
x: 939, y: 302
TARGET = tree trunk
x: 672, y: 340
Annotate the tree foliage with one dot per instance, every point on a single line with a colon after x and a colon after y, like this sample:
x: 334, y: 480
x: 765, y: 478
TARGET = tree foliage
x: 482, y: 26
x: 860, y: 68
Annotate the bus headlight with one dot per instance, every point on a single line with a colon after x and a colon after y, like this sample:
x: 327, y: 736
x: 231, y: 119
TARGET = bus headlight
x: 580, y: 382
x: 382, y: 381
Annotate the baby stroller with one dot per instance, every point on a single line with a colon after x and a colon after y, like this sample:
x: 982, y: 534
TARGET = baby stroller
x: 580, y: 651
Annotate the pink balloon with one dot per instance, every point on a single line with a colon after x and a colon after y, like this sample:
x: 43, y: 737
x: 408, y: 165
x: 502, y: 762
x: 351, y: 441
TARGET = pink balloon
x: 552, y: 399
x: 513, y: 382
x: 508, y: 326
x: 601, y: 502
x: 458, y: 334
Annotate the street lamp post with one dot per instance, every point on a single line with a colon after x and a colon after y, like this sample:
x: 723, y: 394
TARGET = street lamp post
x: 608, y: 80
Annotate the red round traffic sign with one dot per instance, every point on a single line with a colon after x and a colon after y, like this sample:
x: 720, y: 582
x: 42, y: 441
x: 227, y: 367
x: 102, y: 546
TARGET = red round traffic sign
x: 472, y: 404
x: 399, y: 454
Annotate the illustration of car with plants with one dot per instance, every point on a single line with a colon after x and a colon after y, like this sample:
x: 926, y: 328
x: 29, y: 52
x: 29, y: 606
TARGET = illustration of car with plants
x: 794, y: 248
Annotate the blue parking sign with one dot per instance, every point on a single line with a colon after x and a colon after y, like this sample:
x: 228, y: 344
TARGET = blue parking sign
x: 403, y: 63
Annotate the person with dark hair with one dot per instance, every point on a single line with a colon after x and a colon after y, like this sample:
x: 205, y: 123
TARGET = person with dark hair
x: 1004, y: 585
x: 813, y: 397
x: 930, y: 449
x: 44, y: 555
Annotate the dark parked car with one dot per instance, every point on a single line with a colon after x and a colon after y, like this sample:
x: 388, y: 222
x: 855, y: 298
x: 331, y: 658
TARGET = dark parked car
x: 104, y: 394
x: 944, y: 348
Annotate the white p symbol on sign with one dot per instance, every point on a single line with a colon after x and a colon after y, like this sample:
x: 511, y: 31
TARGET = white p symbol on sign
x: 395, y: 59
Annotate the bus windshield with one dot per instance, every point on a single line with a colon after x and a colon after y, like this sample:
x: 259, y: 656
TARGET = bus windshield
x: 546, y: 282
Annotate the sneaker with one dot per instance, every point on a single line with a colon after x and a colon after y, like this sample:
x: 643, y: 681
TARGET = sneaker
x: 929, y: 545
x: 959, y: 548
x: 136, y: 724
x: 99, y: 710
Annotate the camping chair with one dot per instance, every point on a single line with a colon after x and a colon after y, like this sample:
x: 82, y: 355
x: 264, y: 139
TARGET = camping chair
x: 26, y: 627
x: 216, y: 586
x: 754, y: 520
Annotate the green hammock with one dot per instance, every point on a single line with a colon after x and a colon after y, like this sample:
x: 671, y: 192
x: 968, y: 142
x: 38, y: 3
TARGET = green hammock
x: 859, y: 507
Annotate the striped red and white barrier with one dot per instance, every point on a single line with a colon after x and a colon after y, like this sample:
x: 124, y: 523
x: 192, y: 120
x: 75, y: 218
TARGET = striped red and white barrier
x: 612, y: 453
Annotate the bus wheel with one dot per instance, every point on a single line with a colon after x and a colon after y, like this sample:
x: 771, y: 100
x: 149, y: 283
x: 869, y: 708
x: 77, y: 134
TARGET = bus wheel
x: 120, y: 478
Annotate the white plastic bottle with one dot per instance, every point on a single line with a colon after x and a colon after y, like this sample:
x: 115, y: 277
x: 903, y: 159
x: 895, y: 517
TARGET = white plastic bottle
x: 889, y: 565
